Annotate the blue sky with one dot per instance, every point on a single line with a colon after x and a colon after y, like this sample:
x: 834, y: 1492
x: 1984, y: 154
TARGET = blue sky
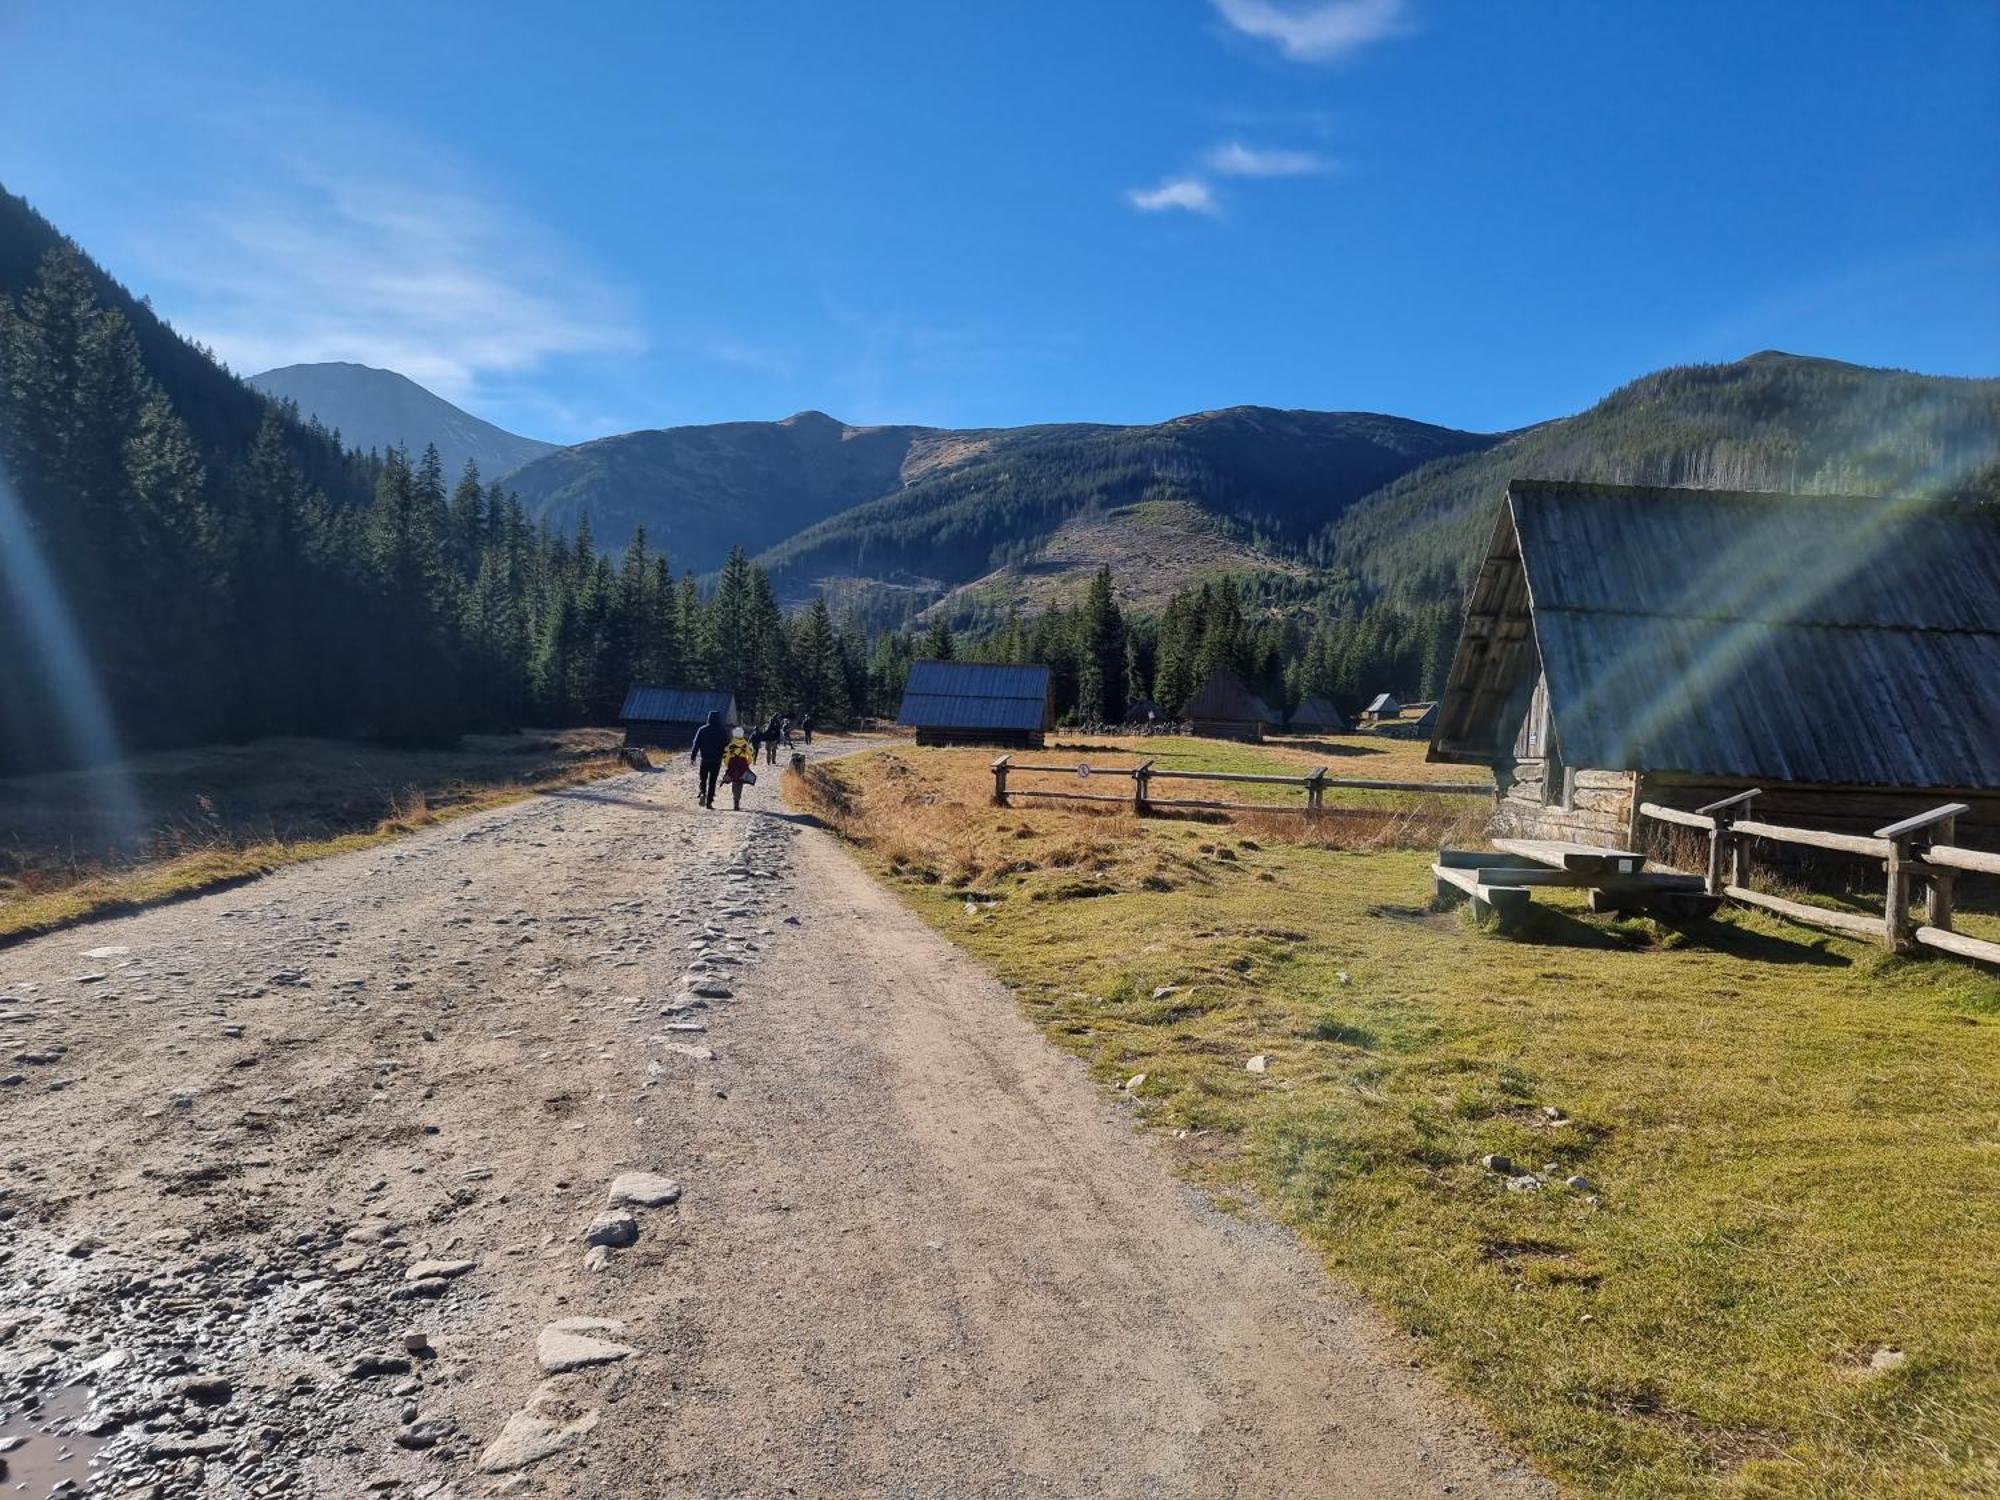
x: 585, y: 219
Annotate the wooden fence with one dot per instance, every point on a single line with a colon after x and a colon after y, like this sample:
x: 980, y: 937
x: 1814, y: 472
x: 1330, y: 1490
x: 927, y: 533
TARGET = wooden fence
x: 1140, y: 799
x: 1917, y: 849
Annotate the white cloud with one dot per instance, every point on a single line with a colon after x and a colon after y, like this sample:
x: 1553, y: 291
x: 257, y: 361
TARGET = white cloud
x: 350, y: 245
x: 1234, y: 159
x: 1314, y: 30
x: 1190, y: 193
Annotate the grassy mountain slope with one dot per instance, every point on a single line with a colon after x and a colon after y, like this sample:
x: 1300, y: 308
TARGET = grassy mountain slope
x: 1769, y: 422
x: 1154, y: 548
x: 1276, y: 476
x: 379, y: 409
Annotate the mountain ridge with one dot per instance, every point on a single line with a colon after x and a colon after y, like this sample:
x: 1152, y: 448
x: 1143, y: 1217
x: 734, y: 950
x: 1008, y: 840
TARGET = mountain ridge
x: 376, y: 409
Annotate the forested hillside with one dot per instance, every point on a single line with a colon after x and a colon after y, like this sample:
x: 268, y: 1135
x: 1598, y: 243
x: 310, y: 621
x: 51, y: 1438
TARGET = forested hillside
x: 1769, y: 422
x: 183, y: 560
x: 1278, y: 475
x: 702, y: 491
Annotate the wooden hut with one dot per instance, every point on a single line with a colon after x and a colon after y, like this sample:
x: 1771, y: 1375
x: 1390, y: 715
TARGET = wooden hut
x: 1316, y: 716
x: 1414, y: 721
x: 1625, y: 645
x: 667, y: 717
x: 978, y: 703
x: 1382, y: 706
x: 1222, y: 708
x: 1144, y: 711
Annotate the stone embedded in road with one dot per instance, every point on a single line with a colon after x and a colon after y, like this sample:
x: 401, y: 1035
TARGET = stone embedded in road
x: 529, y: 1436
x: 690, y: 1050
x: 572, y: 1344
x: 642, y: 1190
x: 368, y: 1366
x: 707, y: 989
x: 425, y: 1270
x: 615, y: 1230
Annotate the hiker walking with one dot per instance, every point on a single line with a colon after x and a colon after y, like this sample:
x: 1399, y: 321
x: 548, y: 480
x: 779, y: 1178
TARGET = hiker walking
x: 710, y: 741
x: 773, y: 732
x: 737, y: 758
x: 807, y: 725
x: 789, y: 742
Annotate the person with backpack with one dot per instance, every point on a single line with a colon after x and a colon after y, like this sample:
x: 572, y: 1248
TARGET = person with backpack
x: 710, y: 741
x: 736, y: 769
x: 773, y: 732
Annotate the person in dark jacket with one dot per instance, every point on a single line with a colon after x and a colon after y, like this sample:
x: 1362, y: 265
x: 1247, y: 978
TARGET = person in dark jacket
x: 709, y: 742
x: 773, y: 732
x: 807, y: 725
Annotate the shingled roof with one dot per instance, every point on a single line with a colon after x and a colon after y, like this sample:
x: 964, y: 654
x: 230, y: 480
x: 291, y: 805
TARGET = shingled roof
x: 1811, y: 638
x: 976, y: 695
x: 648, y: 704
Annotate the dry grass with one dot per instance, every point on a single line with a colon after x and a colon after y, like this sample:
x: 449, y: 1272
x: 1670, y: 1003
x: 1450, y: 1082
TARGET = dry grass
x: 217, y: 816
x: 1792, y: 1138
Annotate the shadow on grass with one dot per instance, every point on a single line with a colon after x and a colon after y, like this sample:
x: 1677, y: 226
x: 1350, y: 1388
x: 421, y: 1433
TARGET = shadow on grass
x: 1325, y: 747
x: 1551, y: 927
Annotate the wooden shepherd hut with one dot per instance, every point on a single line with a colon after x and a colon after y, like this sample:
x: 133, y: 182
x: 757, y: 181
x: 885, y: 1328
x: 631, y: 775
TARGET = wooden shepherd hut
x: 1626, y: 645
x: 667, y: 717
x: 978, y: 703
x: 1316, y: 716
x: 1381, y: 706
x: 1222, y: 708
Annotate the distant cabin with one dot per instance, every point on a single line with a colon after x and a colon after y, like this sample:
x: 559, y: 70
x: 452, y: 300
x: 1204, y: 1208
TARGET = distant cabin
x: 1414, y: 722
x: 1144, y: 711
x: 1222, y: 708
x: 978, y: 703
x: 1316, y: 716
x: 667, y: 717
x: 1382, y: 706
x: 1627, y: 645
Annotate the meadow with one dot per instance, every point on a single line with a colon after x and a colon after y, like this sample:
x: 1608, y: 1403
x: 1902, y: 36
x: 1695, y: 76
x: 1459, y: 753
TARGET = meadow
x: 1748, y: 1230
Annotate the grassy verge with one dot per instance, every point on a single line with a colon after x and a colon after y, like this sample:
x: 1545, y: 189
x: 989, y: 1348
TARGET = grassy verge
x: 217, y: 816
x: 1777, y: 1277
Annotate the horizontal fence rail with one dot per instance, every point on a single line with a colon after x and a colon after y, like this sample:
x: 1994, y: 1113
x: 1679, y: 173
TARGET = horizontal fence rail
x: 1313, y: 784
x: 1917, y: 849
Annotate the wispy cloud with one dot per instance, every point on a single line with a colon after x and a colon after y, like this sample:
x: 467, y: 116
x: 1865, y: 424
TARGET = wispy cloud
x: 1234, y: 159
x: 1190, y: 193
x: 1315, y: 30
x: 343, y: 244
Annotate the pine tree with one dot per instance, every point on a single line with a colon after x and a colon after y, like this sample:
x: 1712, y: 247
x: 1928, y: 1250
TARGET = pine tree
x: 939, y: 642
x: 1100, y: 654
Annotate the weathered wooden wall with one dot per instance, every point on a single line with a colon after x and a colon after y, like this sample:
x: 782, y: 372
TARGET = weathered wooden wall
x: 1600, y: 807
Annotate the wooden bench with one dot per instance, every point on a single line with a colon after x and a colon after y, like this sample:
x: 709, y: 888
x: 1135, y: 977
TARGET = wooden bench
x: 1500, y: 882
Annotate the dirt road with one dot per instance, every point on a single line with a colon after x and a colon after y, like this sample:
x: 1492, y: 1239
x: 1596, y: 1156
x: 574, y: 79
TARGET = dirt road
x: 299, y: 1180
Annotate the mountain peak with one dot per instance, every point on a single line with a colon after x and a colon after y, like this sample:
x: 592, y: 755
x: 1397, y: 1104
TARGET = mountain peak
x: 809, y: 418
x: 381, y: 409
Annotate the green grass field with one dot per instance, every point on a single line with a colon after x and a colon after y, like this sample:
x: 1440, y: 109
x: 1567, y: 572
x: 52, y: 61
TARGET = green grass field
x: 1780, y: 1277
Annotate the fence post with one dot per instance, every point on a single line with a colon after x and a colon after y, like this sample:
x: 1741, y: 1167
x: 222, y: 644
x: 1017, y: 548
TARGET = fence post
x: 1140, y: 777
x: 1000, y: 781
x: 1938, y: 883
x: 1316, y: 791
x: 1910, y: 843
x: 1728, y: 860
x: 1896, y: 905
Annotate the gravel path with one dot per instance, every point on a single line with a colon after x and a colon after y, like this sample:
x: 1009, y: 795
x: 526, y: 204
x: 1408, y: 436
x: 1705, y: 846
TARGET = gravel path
x: 599, y: 1146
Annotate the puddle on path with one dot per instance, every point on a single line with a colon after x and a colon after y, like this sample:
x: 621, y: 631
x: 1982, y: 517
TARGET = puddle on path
x: 50, y: 1449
